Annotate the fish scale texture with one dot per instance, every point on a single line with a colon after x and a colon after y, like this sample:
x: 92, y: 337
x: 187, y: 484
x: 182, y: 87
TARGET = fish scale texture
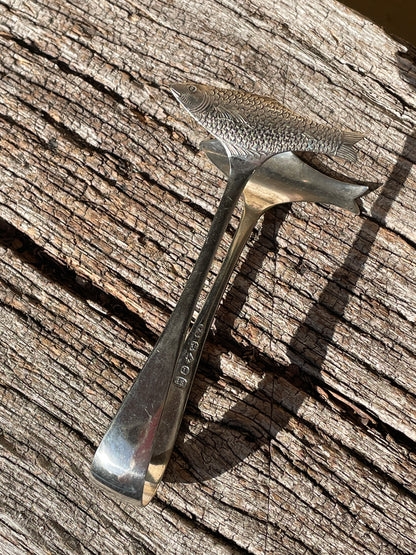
x: 258, y: 126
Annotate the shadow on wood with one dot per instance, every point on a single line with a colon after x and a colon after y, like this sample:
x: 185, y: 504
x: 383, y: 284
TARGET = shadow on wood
x: 224, y: 444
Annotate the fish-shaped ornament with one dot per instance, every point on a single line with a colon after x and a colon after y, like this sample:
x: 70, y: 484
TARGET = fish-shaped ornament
x: 133, y: 454
x: 285, y: 174
x: 257, y: 127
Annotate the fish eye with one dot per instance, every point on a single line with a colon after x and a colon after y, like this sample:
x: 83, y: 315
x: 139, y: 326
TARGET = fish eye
x: 192, y: 89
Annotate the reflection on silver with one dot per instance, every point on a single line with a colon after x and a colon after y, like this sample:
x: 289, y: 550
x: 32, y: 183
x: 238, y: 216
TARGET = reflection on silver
x: 132, y: 457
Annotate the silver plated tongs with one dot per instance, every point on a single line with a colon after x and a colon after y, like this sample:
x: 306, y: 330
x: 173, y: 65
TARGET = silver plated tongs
x: 132, y: 457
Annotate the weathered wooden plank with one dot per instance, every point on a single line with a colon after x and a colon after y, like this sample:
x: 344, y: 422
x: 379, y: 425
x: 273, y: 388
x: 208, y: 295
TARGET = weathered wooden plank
x: 300, y: 432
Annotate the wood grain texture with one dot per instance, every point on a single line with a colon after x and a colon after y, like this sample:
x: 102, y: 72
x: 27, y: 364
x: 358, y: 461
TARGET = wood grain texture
x: 300, y: 432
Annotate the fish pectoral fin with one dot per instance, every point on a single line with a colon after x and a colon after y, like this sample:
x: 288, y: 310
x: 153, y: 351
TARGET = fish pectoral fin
x: 231, y: 114
x: 310, y: 138
x: 239, y: 151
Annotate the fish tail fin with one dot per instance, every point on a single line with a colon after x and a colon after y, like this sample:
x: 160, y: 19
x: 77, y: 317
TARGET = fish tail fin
x: 348, y: 195
x: 347, y: 149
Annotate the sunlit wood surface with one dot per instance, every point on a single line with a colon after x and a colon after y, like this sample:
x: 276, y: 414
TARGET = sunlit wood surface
x: 300, y: 432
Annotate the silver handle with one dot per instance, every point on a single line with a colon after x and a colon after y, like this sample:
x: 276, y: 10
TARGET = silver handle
x: 190, y: 355
x: 121, y: 461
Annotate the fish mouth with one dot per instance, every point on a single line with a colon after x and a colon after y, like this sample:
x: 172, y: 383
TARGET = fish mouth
x: 178, y: 90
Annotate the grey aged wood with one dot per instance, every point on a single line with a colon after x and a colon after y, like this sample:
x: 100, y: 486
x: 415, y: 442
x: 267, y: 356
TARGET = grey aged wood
x: 301, y: 428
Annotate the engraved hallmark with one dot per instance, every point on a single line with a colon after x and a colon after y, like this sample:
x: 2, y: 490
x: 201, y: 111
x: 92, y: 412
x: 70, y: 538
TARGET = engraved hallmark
x: 180, y: 379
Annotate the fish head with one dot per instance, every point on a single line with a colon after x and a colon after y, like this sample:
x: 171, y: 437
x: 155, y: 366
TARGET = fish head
x: 194, y: 97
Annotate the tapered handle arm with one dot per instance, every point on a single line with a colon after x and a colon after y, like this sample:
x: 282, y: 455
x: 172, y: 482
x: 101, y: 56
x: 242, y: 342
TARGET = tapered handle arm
x: 122, y: 458
x: 190, y: 355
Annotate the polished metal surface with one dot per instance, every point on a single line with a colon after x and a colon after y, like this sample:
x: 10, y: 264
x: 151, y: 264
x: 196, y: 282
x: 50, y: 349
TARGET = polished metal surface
x: 133, y: 455
x: 283, y: 178
x: 292, y: 179
x: 121, y: 462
